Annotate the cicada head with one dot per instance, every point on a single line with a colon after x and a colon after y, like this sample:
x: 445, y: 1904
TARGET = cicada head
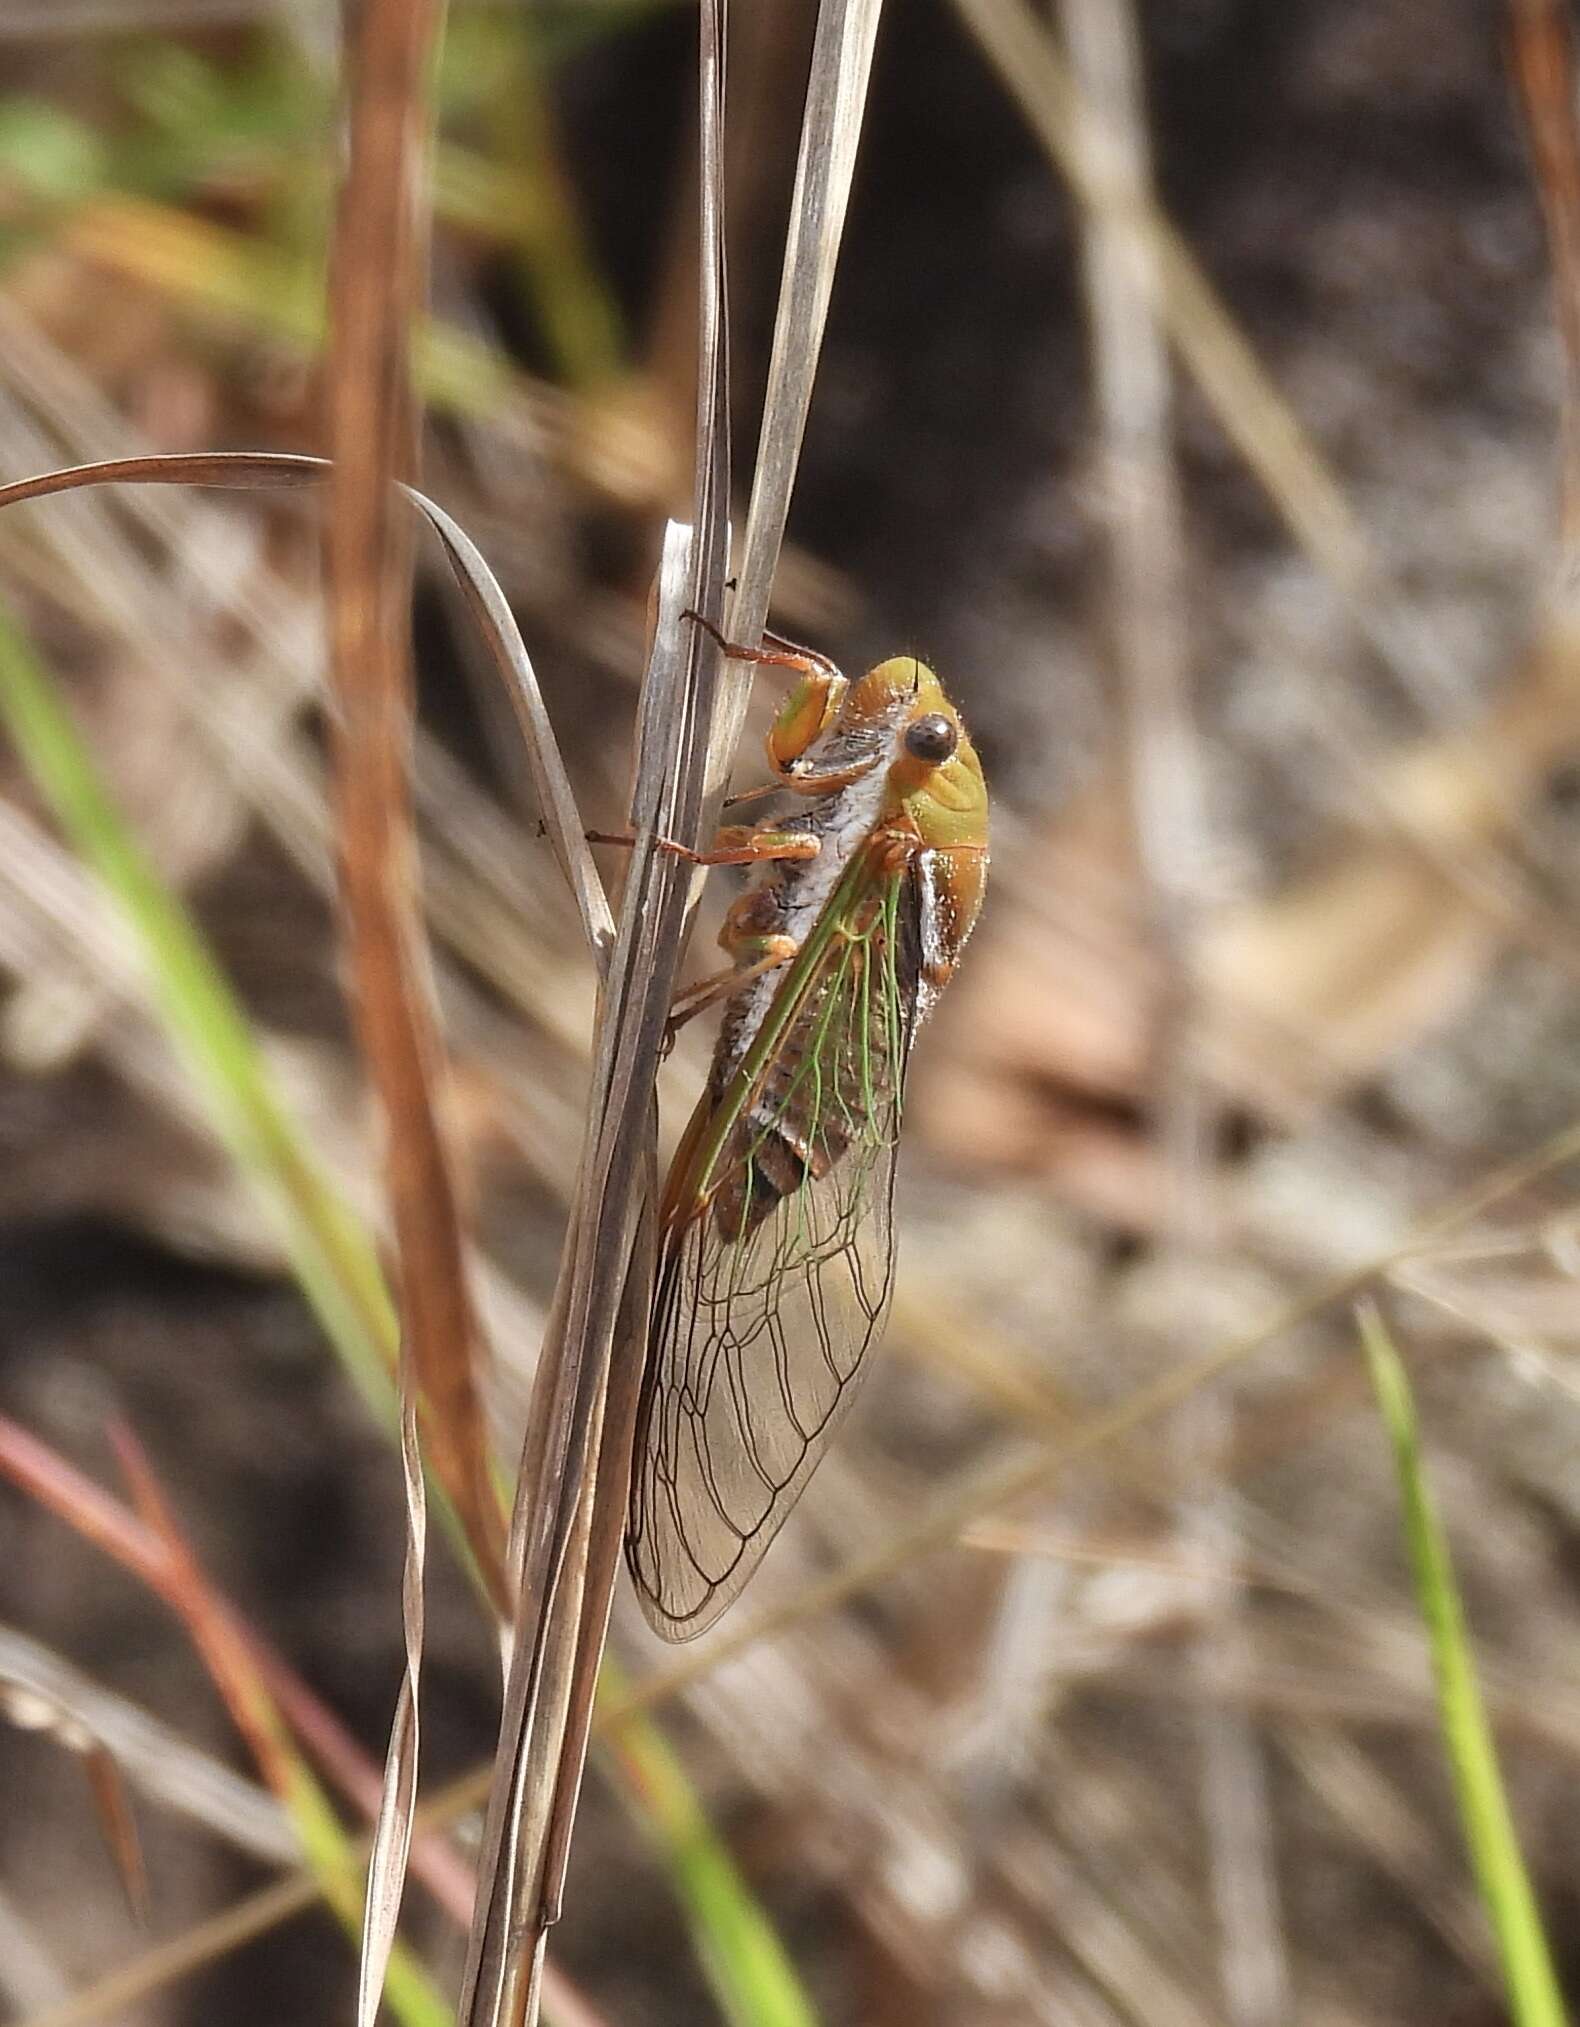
x: 935, y: 777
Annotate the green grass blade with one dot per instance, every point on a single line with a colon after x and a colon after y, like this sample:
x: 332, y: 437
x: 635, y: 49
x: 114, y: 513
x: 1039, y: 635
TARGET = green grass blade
x: 751, y: 1976
x: 1501, y: 1878
x: 330, y: 1255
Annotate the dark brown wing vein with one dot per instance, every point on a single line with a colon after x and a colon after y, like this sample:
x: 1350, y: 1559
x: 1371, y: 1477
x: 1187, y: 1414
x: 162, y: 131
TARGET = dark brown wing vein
x: 770, y: 1297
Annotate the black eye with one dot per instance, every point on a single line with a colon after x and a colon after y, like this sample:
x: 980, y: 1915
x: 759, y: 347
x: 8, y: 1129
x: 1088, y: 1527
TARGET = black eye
x: 933, y: 738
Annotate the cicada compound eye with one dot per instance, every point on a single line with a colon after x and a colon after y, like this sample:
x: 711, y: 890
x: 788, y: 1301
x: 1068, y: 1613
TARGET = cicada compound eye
x: 932, y: 738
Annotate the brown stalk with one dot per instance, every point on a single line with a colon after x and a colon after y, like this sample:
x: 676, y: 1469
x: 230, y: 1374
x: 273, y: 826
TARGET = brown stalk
x: 378, y: 276
x: 1542, y: 57
x: 576, y: 1460
x: 377, y: 281
x: 225, y: 1650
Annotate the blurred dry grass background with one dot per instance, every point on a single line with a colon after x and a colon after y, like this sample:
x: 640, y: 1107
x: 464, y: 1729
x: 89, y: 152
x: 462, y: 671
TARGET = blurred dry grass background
x: 1157, y: 1745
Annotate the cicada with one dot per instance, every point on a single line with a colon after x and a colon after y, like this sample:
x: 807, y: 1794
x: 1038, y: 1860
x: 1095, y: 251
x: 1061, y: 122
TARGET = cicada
x: 776, y: 1231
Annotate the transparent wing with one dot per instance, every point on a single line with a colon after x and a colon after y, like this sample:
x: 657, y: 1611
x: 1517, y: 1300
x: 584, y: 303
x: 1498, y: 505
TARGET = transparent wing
x: 774, y: 1287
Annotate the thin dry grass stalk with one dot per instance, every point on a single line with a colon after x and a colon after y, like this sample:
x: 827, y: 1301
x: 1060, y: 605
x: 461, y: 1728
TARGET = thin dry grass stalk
x: 836, y: 98
x: 570, y: 1504
x: 377, y: 281
x: 258, y: 471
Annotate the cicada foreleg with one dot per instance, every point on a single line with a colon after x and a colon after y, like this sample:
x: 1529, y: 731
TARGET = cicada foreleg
x: 802, y: 719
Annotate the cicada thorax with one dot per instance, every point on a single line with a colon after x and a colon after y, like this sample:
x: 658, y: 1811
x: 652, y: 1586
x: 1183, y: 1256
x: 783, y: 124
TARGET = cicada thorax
x: 835, y: 1076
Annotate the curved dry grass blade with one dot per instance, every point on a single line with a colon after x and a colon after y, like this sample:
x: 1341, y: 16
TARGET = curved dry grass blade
x: 154, y: 1759
x: 567, y: 833
x: 278, y: 470
x: 226, y: 470
x: 40, y: 20
x: 831, y: 127
x: 29, y: 1708
x: 392, y: 1831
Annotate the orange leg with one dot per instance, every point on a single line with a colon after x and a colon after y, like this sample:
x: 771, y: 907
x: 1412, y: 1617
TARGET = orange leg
x: 736, y: 845
x: 755, y: 943
x: 811, y: 708
x: 783, y: 654
x: 771, y: 952
x: 753, y: 794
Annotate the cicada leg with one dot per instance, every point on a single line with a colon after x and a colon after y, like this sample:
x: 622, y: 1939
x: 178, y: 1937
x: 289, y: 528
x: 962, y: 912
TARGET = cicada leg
x: 755, y: 944
x: 801, y: 720
x: 772, y: 951
x: 736, y: 845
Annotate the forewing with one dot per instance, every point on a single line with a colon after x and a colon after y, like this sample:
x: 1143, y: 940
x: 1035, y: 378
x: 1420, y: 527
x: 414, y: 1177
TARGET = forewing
x: 770, y: 1296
